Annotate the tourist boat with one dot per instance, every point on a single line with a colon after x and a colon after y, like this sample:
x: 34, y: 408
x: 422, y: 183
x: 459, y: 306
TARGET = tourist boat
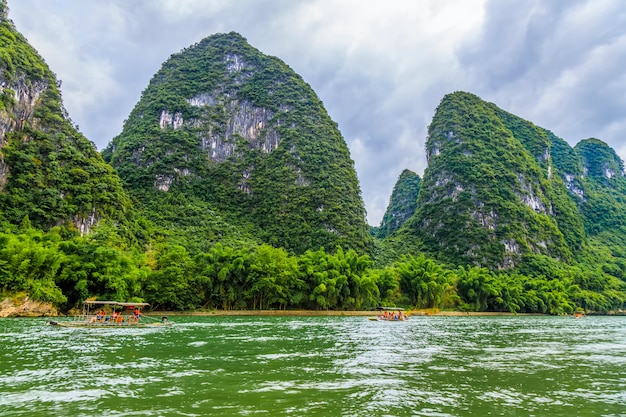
x: 390, y: 314
x: 111, y: 314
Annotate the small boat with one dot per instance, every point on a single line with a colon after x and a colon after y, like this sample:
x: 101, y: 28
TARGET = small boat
x: 111, y: 314
x: 390, y: 314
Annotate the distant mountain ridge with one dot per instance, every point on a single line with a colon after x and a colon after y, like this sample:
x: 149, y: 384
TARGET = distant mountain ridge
x: 402, y: 204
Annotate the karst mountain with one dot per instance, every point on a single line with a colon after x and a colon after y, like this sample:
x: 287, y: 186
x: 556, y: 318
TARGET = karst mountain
x: 223, y: 125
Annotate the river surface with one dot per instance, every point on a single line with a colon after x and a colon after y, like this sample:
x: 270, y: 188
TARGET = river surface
x: 318, y: 366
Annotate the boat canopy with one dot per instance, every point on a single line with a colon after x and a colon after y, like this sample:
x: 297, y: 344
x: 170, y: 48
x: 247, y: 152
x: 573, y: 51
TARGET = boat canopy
x: 389, y: 309
x: 115, y: 303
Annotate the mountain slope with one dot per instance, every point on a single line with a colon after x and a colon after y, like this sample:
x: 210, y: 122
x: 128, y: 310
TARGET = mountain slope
x: 604, y: 187
x: 559, y: 176
x: 487, y: 197
x: 48, y: 170
x: 402, y: 204
x: 241, y: 131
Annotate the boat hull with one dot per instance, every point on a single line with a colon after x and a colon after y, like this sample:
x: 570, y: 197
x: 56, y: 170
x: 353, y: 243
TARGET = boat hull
x: 87, y: 325
x: 386, y: 319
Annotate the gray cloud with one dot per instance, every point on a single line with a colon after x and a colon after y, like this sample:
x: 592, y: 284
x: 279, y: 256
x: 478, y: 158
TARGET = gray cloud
x: 380, y: 68
x: 559, y: 64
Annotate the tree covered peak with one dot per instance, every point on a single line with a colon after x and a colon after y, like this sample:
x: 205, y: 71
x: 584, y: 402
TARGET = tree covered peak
x: 402, y: 203
x: 599, y: 159
x: 223, y: 123
x: 49, y: 172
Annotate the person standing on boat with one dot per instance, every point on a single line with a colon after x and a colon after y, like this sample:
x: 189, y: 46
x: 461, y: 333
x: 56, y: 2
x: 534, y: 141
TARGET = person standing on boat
x: 137, y: 314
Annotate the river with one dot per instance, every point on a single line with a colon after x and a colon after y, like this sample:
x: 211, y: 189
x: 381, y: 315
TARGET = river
x: 318, y: 366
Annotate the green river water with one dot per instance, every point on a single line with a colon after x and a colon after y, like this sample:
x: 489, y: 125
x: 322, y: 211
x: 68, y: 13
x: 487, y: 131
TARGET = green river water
x: 318, y: 366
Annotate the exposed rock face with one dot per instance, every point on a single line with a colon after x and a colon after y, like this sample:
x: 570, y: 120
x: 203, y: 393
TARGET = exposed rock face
x: 48, y: 170
x: 242, y: 131
x: 26, y: 308
x: 252, y: 123
x: 25, y: 97
x: 486, y: 197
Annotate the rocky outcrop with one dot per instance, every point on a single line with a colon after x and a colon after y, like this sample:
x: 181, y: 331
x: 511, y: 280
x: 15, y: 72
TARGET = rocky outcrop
x: 485, y: 195
x: 242, y: 132
x: 24, y: 98
x: 243, y: 120
x: 26, y: 308
x: 48, y: 170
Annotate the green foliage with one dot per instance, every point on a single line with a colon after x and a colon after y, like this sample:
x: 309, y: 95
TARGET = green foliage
x: 402, y: 204
x: 477, y: 287
x: 290, y: 183
x: 277, y: 222
x: 598, y: 158
x: 604, y: 203
x: 488, y: 195
x: 30, y: 261
x: 423, y: 281
x: 55, y: 175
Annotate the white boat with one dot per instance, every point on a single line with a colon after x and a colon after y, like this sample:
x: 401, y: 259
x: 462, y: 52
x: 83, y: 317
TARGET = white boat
x: 111, y: 314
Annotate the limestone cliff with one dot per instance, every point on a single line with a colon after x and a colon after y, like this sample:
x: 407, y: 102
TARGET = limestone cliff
x: 241, y: 131
x: 48, y: 170
x: 487, y: 196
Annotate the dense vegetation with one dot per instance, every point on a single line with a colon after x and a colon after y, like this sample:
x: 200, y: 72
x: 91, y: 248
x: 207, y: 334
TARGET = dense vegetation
x: 283, y: 228
x: 487, y: 196
x: 253, y: 143
x: 501, y: 192
x: 402, y: 204
x: 48, y: 170
x: 67, y: 271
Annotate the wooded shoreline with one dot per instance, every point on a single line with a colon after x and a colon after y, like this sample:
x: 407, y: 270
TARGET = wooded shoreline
x: 314, y: 313
x: 30, y: 308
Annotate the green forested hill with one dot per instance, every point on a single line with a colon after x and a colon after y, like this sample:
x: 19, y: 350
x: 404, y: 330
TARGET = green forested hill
x: 244, y: 197
x: 239, y: 131
x: 402, y: 204
x: 604, y: 187
x: 514, y: 191
x: 486, y: 197
x: 67, y: 227
x: 49, y: 172
x: 502, y: 193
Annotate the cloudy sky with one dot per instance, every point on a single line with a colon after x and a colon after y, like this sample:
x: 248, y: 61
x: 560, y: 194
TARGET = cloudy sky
x: 381, y: 67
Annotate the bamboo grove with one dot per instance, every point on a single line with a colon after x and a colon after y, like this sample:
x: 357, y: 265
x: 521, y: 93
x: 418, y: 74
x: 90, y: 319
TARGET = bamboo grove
x: 65, y: 271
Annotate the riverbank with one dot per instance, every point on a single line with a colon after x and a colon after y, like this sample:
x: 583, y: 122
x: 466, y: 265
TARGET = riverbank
x: 24, y: 307
x: 314, y: 313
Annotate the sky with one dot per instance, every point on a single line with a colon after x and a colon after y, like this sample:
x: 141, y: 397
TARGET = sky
x: 380, y: 67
